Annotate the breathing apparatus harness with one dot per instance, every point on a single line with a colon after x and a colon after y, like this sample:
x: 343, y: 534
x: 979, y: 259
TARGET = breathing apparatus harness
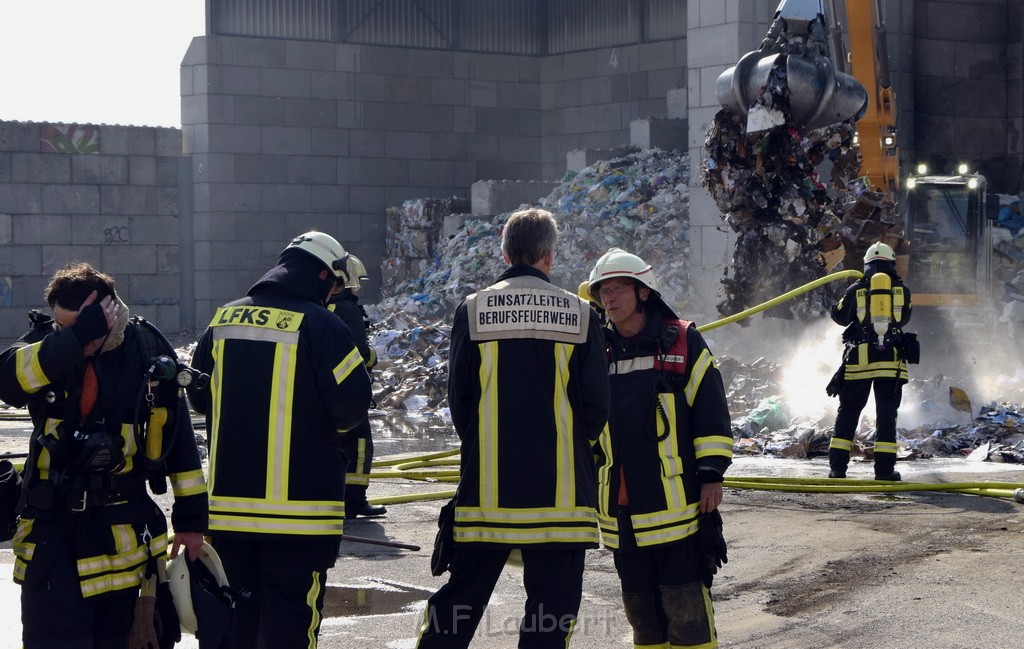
x: 85, y: 456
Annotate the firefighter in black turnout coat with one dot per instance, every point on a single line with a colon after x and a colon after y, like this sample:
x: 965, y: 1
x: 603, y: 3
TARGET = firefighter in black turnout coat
x: 286, y: 383
x: 874, y: 311
x: 358, y: 444
x: 662, y: 458
x: 105, y: 424
x: 528, y: 393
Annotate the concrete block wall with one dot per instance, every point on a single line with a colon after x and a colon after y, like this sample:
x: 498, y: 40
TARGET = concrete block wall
x: 588, y: 99
x: 116, y: 208
x: 493, y: 197
x: 719, y: 32
x: 286, y: 136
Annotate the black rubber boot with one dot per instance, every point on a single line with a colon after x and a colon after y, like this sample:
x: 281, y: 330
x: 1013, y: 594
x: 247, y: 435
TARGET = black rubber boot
x: 885, y: 467
x: 365, y: 509
x: 691, y: 617
x: 838, y: 461
x: 645, y: 615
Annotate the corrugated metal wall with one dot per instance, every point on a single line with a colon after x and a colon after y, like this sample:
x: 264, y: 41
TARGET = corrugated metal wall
x: 410, y: 23
x: 589, y: 24
x: 505, y: 26
x: 309, y: 20
x: 664, y: 19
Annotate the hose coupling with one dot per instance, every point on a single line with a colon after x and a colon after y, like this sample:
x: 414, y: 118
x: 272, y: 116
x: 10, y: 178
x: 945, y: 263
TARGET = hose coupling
x: 1018, y: 495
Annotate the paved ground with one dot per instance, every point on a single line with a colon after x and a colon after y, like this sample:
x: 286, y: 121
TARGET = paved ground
x: 912, y: 570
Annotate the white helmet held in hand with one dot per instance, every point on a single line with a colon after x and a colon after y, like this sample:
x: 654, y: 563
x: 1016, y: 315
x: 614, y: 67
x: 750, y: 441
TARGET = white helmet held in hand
x: 325, y: 248
x: 619, y: 263
x: 200, y: 590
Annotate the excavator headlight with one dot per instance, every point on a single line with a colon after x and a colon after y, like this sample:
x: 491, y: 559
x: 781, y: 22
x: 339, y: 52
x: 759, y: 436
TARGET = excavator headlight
x: 856, y: 139
x: 972, y: 183
x: 922, y: 169
x: 888, y: 141
x: 962, y: 168
x: 911, y: 183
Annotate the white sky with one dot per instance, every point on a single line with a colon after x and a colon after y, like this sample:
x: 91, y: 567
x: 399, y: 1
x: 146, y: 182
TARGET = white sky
x: 96, y: 62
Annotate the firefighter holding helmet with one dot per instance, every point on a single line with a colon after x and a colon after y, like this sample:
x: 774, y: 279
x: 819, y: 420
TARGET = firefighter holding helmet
x: 661, y: 459
x: 874, y: 311
x: 287, y: 384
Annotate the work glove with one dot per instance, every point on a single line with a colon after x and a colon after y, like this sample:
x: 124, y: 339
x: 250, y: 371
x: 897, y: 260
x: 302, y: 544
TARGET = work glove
x: 712, y: 546
x: 835, y: 384
x: 442, y: 557
x: 90, y: 324
x: 143, y: 633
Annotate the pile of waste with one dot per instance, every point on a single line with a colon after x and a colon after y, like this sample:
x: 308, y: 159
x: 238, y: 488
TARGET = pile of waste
x: 639, y: 202
x: 792, y: 228
x: 1008, y: 262
x: 762, y: 424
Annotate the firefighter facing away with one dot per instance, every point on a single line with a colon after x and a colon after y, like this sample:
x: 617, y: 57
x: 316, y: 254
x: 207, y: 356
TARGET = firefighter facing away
x: 874, y: 311
x: 287, y: 383
x: 661, y: 460
x: 358, y: 444
x: 528, y: 392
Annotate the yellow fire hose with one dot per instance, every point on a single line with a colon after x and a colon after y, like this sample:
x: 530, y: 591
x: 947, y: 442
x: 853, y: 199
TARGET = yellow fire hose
x: 775, y: 301
x: 426, y: 467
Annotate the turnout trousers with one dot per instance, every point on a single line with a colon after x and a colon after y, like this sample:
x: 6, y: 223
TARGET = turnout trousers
x: 664, y: 599
x: 853, y: 396
x: 286, y: 580
x: 554, y: 587
x: 54, y: 613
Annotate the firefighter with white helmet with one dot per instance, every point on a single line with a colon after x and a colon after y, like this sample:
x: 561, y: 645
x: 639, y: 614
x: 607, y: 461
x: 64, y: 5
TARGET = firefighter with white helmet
x: 287, y: 383
x: 661, y: 459
x: 358, y: 444
x: 874, y: 310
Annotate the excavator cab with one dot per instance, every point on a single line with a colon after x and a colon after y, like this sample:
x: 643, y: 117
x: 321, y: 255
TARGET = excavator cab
x: 948, y: 225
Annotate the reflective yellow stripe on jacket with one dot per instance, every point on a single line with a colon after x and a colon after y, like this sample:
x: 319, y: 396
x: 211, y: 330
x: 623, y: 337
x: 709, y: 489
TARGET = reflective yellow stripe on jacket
x: 258, y: 515
x: 30, y: 373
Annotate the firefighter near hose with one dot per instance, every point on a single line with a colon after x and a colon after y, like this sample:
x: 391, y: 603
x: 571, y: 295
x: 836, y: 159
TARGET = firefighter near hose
x: 874, y: 311
x: 661, y: 459
x: 358, y: 444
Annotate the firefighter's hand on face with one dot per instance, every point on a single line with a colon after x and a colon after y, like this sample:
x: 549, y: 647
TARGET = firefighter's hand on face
x: 710, y: 496
x: 192, y: 542
x: 91, y: 322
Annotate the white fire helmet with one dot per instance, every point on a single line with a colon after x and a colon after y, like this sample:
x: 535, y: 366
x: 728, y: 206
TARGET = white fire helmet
x: 194, y: 598
x: 356, y: 271
x: 879, y: 252
x: 325, y: 248
x: 619, y: 263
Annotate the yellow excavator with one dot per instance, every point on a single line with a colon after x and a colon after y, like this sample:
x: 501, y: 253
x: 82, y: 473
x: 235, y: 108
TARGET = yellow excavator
x: 798, y: 77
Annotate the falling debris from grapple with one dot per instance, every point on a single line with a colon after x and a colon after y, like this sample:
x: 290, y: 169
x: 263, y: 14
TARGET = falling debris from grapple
x: 787, y: 116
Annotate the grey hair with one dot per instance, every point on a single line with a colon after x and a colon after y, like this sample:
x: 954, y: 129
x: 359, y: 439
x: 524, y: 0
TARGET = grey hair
x: 529, y: 235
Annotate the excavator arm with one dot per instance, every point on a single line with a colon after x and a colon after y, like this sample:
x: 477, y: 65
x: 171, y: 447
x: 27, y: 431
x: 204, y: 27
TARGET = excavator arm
x: 876, y: 128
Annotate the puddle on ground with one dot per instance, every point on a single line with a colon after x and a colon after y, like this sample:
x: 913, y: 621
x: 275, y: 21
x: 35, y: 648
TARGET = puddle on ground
x: 378, y: 598
x: 889, y: 498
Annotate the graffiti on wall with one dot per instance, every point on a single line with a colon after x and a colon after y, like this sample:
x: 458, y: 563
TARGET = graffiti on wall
x: 69, y: 138
x: 116, y: 234
x: 6, y: 296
